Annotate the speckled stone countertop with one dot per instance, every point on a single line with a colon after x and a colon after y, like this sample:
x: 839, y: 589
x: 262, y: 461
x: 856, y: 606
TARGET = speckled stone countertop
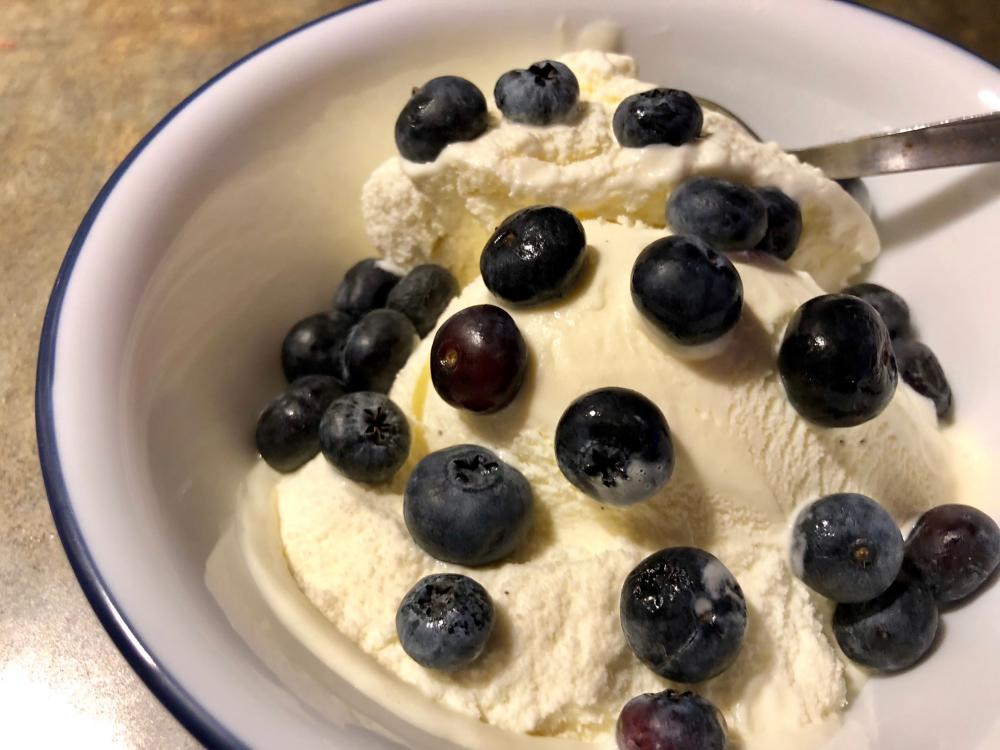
x: 80, y: 82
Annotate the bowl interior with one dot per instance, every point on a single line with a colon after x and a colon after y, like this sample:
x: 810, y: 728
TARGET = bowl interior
x: 238, y: 218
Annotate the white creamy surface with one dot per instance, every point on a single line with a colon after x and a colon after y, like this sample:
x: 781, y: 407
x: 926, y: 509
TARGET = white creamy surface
x: 558, y: 664
x: 439, y: 211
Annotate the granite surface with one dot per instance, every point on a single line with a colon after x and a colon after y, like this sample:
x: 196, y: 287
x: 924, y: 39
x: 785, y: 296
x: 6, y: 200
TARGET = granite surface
x: 80, y: 82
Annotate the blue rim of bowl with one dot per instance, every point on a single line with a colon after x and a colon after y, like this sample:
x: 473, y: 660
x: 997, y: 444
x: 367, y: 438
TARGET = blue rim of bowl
x: 193, y: 716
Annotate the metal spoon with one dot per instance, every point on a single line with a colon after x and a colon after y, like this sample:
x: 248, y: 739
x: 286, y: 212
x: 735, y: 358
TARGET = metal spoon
x: 949, y: 143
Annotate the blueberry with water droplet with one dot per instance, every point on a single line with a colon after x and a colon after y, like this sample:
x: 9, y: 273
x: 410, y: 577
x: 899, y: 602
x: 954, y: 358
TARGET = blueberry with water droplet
x: 614, y: 444
x: 447, y: 109
x: 656, y: 116
x: 536, y: 254
x: 445, y: 621
x: 683, y: 614
x: 836, y: 361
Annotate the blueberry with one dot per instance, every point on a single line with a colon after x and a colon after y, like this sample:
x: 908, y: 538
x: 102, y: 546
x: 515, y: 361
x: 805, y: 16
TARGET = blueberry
x: 657, y: 116
x: 315, y: 344
x: 953, y: 549
x: 444, y: 621
x: 444, y: 110
x: 364, y: 288
x: 725, y: 214
x: 287, y: 434
x: 846, y: 547
x: 836, y: 361
x: 478, y: 359
x: 892, y: 308
x: 890, y: 632
x: 688, y: 290
x: 920, y: 368
x: 784, y: 224
x: 536, y: 254
x: 376, y: 349
x: 422, y: 295
x: 365, y: 436
x: 670, y: 721
x: 320, y: 389
x: 464, y: 505
x: 614, y: 444
x: 683, y: 614
x: 543, y: 94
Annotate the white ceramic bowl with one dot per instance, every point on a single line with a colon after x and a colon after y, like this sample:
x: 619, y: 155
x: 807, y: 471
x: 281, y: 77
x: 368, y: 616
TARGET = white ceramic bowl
x: 238, y: 212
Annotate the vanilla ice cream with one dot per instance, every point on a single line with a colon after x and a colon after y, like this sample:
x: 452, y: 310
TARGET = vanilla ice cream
x: 443, y: 210
x: 560, y: 664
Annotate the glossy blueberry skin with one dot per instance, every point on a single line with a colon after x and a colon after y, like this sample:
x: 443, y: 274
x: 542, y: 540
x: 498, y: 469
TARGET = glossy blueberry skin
x: 727, y: 215
x: 953, y: 549
x: 287, y: 434
x: 670, y: 721
x: 846, y: 547
x: 478, y: 359
x: 614, y: 444
x: 689, y: 291
x: 683, y: 614
x: 919, y: 367
x: 890, y: 632
x: 836, y: 361
x: 422, y: 295
x: 466, y: 506
x: 535, y: 255
x: 892, y: 308
x: 322, y: 390
x: 657, y: 116
x: 365, y: 436
x: 444, y: 621
x: 544, y: 93
x: 376, y: 349
x: 315, y: 344
x: 364, y: 288
x: 784, y: 224
x: 444, y: 110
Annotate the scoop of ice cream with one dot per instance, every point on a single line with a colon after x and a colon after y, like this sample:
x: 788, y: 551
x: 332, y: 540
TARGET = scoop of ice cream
x: 444, y: 210
x: 744, y: 459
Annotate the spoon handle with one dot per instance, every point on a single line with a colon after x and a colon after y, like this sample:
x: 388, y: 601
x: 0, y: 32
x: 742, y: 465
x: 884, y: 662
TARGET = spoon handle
x: 962, y: 140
